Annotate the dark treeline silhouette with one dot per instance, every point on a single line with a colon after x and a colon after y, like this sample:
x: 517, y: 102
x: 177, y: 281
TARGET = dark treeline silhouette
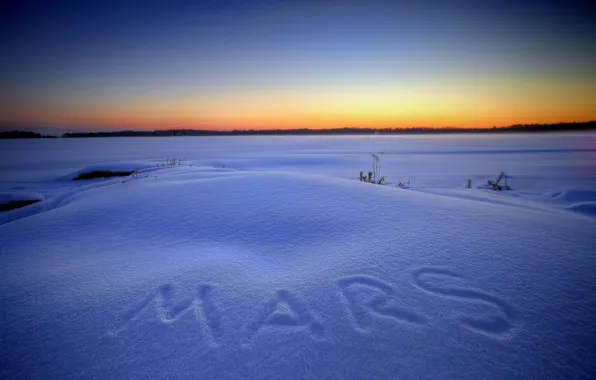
x: 521, y: 128
x: 19, y: 135
x: 23, y: 135
x: 558, y: 127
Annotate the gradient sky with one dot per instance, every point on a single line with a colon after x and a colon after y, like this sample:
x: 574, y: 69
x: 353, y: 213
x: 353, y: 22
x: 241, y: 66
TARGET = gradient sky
x: 283, y: 64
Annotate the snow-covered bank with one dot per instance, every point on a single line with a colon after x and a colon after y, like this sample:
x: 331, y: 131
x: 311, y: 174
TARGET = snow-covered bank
x: 207, y: 271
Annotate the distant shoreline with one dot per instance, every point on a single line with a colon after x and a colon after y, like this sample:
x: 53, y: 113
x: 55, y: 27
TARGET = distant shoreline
x: 520, y: 128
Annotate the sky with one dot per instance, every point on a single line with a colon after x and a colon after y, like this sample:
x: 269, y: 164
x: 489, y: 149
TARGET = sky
x: 223, y: 65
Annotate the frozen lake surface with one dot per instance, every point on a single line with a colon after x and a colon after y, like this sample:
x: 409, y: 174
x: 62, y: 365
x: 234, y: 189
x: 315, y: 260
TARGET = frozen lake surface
x: 266, y: 257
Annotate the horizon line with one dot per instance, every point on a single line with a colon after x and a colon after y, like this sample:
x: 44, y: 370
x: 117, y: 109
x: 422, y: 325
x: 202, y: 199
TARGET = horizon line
x: 14, y: 127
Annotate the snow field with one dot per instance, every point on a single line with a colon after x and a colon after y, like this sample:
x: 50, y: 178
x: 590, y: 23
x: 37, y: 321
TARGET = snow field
x: 275, y: 269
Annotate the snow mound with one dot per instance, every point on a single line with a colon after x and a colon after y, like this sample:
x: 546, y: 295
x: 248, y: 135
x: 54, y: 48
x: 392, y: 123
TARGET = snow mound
x: 15, y: 196
x: 211, y: 273
x: 574, y: 196
x: 109, y: 167
x: 14, y: 204
x: 578, y: 200
x: 587, y: 208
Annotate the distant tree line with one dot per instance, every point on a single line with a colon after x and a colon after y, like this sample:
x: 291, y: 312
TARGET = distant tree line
x: 558, y: 127
x: 518, y: 128
x: 22, y: 135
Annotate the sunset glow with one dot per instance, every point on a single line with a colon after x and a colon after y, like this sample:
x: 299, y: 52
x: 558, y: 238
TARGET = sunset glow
x: 297, y: 65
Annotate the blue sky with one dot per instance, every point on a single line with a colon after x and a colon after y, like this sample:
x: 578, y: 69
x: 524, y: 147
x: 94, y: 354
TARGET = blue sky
x: 242, y: 64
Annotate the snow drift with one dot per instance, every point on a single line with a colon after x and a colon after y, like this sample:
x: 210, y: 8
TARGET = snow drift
x: 265, y: 258
x: 199, y: 272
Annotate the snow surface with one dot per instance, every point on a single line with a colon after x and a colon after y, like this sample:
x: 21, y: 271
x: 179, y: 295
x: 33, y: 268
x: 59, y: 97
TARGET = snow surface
x: 266, y: 258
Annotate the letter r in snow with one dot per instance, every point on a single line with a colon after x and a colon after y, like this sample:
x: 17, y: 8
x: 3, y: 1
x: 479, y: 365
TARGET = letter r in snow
x: 368, y: 297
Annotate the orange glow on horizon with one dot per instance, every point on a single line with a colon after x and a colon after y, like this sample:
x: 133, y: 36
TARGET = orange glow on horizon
x: 301, y: 65
x: 426, y: 105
